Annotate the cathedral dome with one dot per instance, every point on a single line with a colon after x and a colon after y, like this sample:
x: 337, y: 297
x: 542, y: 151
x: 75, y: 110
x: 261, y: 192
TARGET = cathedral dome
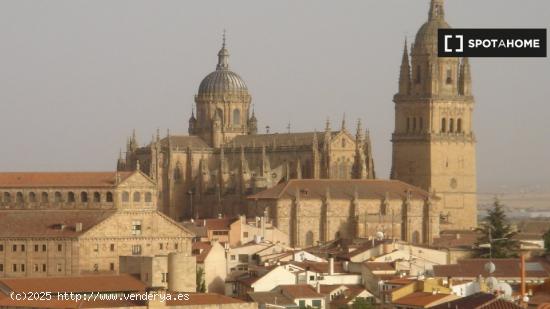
x: 426, y: 37
x: 223, y: 80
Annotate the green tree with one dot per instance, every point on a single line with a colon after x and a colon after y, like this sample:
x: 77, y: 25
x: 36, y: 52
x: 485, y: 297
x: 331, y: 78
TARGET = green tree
x: 496, y: 231
x: 546, y: 238
x: 201, y: 286
x: 361, y: 303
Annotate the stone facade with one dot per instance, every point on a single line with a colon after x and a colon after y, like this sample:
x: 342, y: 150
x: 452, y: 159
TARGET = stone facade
x: 63, y: 237
x: 434, y: 145
x: 224, y: 159
x: 313, y: 211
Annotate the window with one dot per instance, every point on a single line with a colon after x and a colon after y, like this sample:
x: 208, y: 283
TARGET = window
x: 137, y: 196
x: 221, y: 233
x: 109, y: 197
x: 35, y: 268
x: 14, y: 268
x: 112, y: 247
x: 22, y: 267
x: 70, y: 197
x: 418, y: 78
x: 97, y: 197
x: 1, y: 248
x: 302, y: 303
x: 44, y: 197
x: 59, y: 268
x: 176, y: 245
x: 59, y: 247
x: 22, y: 248
x: 148, y: 197
x: 19, y: 197
x: 84, y: 197
x: 96, y: 267
x: 161, y: 246
x: 451, y: 125
x: 57, y: 197
x: 316, y: 303
x: 44, y: 267
x: 125, y: 197
x: 408, y: 124
x: 449, y: 79
x: 311, y: 278
x: 459, y: 125
x: 421, y: 124
x: 443, y: 125
x: 43, y: 248
x: 32, y: 197
x: 1, y: 268
x: 36, y: 248
x: 136, y: 249
x: 112, y: 266
x: 7, y: 197
x: 136, y: 227
x: 14, y: 248
x: 163, y: 277
x: 245, y: 234
x: 96, y: 248
x: 236, y: 117
x: 233, y: 257
x: 243, y: 258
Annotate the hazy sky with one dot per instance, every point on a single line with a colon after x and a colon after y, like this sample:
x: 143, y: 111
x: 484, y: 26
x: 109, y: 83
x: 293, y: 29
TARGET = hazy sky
x: 77, y: 76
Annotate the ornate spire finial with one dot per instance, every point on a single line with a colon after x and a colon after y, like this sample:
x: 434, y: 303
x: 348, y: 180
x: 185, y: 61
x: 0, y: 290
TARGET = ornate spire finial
x: 344, y: 122
x: 327, y: 126
x: 223, y: 56
x: 437, y: 10
x: 223, y: 38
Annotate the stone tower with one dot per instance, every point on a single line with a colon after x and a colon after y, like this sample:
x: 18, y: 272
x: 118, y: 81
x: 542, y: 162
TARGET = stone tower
x: 433, y: 140
x: 222, y: 105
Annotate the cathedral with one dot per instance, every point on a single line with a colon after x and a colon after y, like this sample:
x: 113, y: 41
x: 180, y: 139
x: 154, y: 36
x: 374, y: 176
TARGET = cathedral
x: 224, y: 160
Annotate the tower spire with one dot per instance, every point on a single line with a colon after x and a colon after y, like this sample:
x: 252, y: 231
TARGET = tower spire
x: 223, y: 56
x: 405, y: 74
x: 344, y: 122
x: 437, y: 10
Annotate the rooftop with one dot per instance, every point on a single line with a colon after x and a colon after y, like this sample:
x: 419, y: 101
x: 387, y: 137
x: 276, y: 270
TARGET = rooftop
x: 98, y: 283
x: 61, y: 179
x: 505, y: 268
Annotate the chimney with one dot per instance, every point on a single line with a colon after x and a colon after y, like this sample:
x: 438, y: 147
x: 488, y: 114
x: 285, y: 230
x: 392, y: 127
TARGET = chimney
x: 78, y: 227
x: 331, y: 266
x: 318, y: 287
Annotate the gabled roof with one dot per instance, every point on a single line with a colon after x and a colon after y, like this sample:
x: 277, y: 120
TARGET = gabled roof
x: 61, y: 179
x: 478, y: 301
x: 47, y: 223
x: 420, y: 299
x: 300, y: 291
x: 204, y: 248
x: 341, y: 189
x: 504, y: 268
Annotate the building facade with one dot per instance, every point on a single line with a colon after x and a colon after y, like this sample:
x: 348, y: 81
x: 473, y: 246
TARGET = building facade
x: 434, y: 145
x: 313, y: 211
x: 224, y: 158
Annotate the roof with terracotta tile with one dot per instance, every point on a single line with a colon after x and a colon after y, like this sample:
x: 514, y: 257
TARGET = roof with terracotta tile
x: 380, y: 266
x: 341, y: 189
x: 60, y: 179
x: 300, y: 291
x: 217, y: 223
x: 98, y: 283
x: 205, y: 299
x: 47, y: 223
x: 203, y: 247
x: 505, y: 268
x: 478, y: 301
x: 420, y: 299
x: 271, y: 298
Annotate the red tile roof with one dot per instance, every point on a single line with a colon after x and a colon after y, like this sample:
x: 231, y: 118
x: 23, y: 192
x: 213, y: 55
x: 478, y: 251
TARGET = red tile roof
x: 420, y: 299
x: 478, y: 301
x: 60, y: 179
x: 204, y: 299
x: 112, y: 283
x: 300, y: 291
x: 204, y: 248
x: 47, y: 223
x: 505, y: 268
x: 380, y: 266
x: 341, y: 189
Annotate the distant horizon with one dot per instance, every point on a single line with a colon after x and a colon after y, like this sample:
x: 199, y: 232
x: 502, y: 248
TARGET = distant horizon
x: 78, y: 76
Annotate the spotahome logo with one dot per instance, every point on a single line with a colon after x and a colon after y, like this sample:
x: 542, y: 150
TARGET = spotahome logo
x: 492, y: 43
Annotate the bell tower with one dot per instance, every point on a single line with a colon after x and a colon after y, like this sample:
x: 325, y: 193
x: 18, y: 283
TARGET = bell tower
x: 433, y: 140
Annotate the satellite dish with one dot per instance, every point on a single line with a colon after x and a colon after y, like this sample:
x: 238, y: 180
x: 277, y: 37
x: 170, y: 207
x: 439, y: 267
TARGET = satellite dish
x: 380, y: 235
x: 490, y: 267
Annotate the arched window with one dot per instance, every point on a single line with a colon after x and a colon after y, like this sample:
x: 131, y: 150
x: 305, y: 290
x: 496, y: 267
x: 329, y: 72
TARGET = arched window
x: 44, y: 197
x: 408, y: 124
x: 420, y: 124
x: 58, y: 197
x: 414, y: 124
x: 32, y: 197
x: 443, y: 125
x: 451, y: 125
x: 449, y: 79
x: 415, y: 237
x: 137, y: 196
x: 109, y: 197
x: 459, y: 125
x: 97, y: 197
x: 219, y: 111
x: 19, y: 197
x: 7, y: 197
x: 125, y: 197
x: 148, y: 197
x: 236, y: 117
x: 84, y: 197
x: 309, y: 238
x: 70, y: 197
